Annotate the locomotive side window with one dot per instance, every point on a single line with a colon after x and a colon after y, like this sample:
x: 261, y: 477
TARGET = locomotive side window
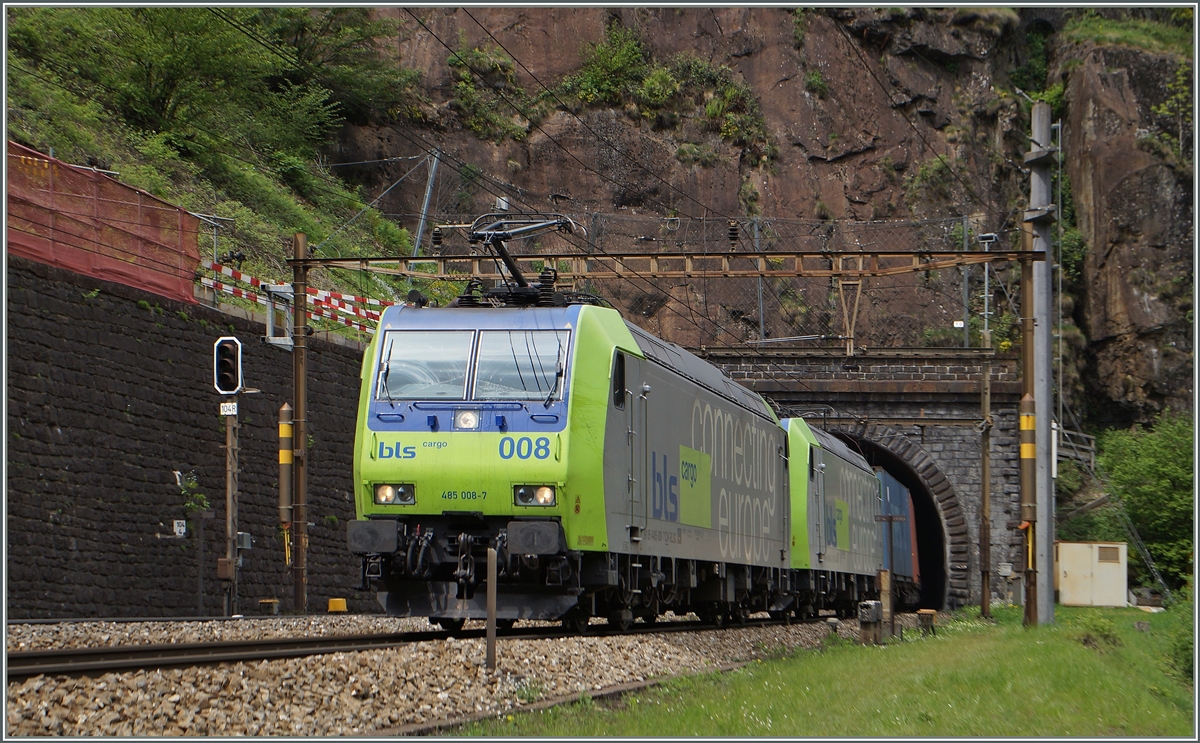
x: 618, y: 381
x: 421, y: 364
x: 521, y: 365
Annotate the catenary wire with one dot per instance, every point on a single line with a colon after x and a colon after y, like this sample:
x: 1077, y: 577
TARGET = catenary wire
x: 720, y: 327
x: 428, y: 150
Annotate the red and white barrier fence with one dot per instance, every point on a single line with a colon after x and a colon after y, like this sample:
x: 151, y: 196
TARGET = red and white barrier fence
x: 349, y: 298
x: 235, y: 274
x: 254, y: 297
x: 258, y: 283
x: 348, y: 308
x: 342, y: 303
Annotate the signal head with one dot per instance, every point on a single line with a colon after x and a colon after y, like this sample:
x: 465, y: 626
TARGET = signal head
x: 227, y: 365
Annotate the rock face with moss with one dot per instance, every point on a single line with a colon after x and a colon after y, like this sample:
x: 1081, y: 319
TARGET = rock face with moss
x: 1134, y: 198
x: 846, y: 114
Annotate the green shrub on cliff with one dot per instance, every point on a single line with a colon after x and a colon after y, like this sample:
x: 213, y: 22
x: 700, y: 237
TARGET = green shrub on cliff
x: 619, y: 71
x: 1139, y: 33
x: 1150, y: 472
x: 612, y: 68
x: 486, y: 93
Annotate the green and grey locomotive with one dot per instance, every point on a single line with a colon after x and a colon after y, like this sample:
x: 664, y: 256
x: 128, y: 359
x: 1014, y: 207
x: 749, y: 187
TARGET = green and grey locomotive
x: 614, y: 473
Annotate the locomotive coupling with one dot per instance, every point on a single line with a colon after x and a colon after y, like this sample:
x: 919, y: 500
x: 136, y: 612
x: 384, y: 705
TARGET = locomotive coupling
x: 388, y: 546
x: 521, y: 537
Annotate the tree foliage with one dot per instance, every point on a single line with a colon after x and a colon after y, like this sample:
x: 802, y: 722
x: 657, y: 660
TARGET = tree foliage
x: 161, y: 69
x: 1150, y: 472
x: 222, y: 110
x: 342, y: 50
x: 271, y: 79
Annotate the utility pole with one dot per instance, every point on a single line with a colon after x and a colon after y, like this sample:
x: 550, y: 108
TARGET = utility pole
x: 300, y: 422
x: 966, y: 281
x: 985, y: 430
x: 985, y: 503
x: 762, y: 321
x: 1041, y: 215
x: 1027, y: 413
x: 433, y: 168
x: 891, y: 520
x: 287, y: 457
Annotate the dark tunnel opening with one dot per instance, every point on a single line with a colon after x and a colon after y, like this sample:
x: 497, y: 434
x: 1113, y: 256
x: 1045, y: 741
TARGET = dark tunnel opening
x: 931, y: 539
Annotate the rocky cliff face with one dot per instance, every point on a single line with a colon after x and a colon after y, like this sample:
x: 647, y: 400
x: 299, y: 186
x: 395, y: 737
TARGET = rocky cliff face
x: 1136, y: 212
x: 858, y: 105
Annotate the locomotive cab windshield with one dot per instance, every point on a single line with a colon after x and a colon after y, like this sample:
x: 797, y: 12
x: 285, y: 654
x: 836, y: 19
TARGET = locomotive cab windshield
x: 485, y: 365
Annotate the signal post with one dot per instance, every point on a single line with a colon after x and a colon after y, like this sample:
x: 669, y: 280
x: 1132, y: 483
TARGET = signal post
x: 227, y: 379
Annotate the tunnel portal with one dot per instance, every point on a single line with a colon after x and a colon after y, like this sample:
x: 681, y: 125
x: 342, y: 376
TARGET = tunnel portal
x: 931, y: 532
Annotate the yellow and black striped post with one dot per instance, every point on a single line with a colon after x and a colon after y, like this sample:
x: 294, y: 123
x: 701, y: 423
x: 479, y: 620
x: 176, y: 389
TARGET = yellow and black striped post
x: 285, y: 478
x: 1028, y: 457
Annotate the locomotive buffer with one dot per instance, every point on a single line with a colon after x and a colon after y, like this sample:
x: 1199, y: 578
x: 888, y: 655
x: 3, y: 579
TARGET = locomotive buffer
x: 889, y: 608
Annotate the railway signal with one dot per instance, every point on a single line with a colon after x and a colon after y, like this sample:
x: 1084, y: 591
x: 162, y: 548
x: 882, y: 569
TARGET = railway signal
x: 227, y: 365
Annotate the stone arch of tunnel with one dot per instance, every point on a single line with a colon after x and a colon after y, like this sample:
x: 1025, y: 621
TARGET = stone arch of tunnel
x: 942, y: 540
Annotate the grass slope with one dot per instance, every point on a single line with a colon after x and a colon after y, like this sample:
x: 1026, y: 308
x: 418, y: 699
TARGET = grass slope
x: 269, y: 196
x: 1090, y: 674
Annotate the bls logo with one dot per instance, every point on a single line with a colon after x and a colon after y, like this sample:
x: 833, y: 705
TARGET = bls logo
x: 387, y: 452
x: 664, y: 497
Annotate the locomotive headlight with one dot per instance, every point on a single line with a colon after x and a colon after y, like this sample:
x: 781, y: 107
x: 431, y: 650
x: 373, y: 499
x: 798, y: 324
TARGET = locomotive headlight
x: 534, y: 495
x: 388, y: 495
x: 466, y: 420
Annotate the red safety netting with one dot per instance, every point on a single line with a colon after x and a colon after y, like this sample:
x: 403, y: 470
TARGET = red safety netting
x: 84, y: 221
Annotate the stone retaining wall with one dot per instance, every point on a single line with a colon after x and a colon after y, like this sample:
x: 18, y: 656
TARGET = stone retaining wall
x: 109, y: 393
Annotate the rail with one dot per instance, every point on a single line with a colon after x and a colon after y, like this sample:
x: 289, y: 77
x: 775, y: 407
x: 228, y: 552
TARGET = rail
x: 123, y: 658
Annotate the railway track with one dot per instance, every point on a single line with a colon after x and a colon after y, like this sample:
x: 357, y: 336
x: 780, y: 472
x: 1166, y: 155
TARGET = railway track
x: 124, y: 658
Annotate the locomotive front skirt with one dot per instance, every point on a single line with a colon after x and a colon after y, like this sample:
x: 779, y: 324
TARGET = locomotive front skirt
x: 615, y: 474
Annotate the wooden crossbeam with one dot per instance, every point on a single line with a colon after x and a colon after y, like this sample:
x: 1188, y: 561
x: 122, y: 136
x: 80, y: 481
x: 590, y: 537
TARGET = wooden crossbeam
x: 576, y: 266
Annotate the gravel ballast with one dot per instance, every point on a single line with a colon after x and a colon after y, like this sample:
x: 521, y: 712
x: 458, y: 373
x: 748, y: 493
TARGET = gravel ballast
x: 359, y: 693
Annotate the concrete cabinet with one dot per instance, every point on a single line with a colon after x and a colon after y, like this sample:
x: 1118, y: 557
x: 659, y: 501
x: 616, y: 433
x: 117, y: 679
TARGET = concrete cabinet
x: 1090, y: 573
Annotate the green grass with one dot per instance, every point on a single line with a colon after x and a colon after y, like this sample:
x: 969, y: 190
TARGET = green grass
x: 972, y: 679
x: 1152, y: 36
